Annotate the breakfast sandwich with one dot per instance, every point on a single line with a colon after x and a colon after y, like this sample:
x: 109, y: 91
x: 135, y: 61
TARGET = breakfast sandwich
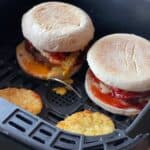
x: 118, y: 78
x: 56, y: 37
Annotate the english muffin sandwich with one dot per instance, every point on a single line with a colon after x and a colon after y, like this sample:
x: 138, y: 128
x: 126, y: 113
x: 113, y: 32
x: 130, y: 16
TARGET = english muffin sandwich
x: 119, y: 76
x: 56, y: 35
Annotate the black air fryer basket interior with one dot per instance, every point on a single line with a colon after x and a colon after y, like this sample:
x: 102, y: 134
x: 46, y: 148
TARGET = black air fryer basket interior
x: 109, y: 16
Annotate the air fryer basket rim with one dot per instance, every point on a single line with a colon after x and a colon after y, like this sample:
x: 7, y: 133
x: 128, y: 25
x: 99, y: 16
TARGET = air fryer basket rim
x: 108, y: 17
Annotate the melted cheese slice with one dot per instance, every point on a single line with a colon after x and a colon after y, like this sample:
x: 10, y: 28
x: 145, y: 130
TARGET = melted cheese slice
x: 34, y: 68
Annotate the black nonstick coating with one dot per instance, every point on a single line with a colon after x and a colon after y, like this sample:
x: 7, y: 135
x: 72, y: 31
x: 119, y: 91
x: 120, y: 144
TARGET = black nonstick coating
x: 109, y: 16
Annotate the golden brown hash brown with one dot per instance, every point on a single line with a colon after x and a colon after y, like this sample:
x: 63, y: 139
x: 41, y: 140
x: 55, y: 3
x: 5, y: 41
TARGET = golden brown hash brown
x: 27, y: 99
x: 87, y: 123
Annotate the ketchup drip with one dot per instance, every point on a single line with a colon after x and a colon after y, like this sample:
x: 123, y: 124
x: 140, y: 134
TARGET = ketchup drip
x: 106, y: 98
x: 111, y: 99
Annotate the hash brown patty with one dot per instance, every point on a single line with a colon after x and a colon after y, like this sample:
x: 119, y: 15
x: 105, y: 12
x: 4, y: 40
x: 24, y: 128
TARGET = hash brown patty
x: 87, y: 123
x: 24, y: 98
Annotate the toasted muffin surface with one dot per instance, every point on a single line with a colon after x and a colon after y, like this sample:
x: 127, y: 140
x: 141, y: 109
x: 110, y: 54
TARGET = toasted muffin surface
x: 57, y: 27
x: 121, y: 60
x: 87, y: 123
x: 24, y: 98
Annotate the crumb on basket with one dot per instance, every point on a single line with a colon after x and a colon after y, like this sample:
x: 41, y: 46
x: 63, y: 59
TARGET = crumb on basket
x: 60, y: 90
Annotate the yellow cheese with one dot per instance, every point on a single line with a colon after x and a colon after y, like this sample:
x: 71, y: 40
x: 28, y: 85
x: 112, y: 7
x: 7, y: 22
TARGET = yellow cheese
x: 60, y: 90
x: 66, y: 67
x: 69, y: 62
x: 69, y: 81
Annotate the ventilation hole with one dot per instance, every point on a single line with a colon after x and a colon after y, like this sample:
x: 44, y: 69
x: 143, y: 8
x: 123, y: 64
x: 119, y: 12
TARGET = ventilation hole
x: 68, y: 99
x: 45, y: 132
x: 52, y: 121
x: 119, y: 142
x: 61, y: 148
x: 54, y: 116
x: 92, y: 141
x: 98, y: 147
x: 67, y: 141
x: 17, y: 126
x: 38, y: 139
x: 24, y: 119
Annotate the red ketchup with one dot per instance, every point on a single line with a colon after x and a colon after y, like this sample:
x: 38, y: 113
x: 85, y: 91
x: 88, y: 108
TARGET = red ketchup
x: 122, y: 101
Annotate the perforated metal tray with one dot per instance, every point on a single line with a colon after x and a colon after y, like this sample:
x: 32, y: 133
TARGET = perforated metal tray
x: 40, y: 132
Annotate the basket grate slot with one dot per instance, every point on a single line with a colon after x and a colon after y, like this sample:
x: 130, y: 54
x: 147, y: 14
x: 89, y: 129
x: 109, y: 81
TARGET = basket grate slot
x: 97, y: 147
x: 23, y: 116
x: 38, y: 139
x: 67, y: 141
x: 65, y: 105
x: 69, y: 99
x: 91, y: 140
x: 53, y: 117
x: 45, y: 132
x: 61, y: 148
x: 21, y: 121
x: 15, y: 125
x: 120, y: 141
x: 24, y: 119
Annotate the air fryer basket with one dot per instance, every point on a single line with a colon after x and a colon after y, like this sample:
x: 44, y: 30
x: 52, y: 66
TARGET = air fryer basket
x: 40, y: 132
